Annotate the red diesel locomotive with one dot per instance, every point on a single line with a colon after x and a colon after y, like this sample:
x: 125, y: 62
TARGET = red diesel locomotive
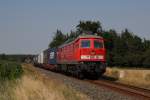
x: 83, y: 57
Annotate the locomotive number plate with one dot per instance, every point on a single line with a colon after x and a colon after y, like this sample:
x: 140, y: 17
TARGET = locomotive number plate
x: 92, y: 57
x: 96, y: 57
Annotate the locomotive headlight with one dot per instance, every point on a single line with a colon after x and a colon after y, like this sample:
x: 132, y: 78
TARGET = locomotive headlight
x: 85, y: 56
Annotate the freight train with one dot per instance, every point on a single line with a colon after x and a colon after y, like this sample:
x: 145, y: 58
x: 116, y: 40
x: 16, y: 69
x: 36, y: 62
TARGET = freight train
x: 83, y: 57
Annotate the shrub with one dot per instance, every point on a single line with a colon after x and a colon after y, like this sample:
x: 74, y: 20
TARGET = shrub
x: 115, y: 74
x: 147, y: 77
x: 10, y: 70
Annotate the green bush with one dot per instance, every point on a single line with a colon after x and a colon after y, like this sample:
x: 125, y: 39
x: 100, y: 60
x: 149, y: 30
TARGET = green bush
x: 10, y: 70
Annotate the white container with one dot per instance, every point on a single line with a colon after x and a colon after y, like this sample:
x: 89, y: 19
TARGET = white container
x: 38, y: 59
x: 41, y: 57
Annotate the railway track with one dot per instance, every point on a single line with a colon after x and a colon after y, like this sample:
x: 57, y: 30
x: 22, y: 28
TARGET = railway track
x: 140, y: 93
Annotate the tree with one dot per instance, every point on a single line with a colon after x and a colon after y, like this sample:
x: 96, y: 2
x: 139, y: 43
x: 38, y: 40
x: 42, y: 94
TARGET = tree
x: 111, y: 43
x: 146, y: 53
x: 3, y: 56
x: 146, y: 58
x: 73, y: 35
x: 146, y: 44
x: 58, y: 39
x: 133, y: 42
x: 89, y: 26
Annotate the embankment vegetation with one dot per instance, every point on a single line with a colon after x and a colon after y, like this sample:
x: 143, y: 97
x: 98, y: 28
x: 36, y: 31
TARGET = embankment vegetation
x: 33, y: 85
x: 9, y: 73
x: 16, y: 57
x: 10, y: 70
x: 135, y: 77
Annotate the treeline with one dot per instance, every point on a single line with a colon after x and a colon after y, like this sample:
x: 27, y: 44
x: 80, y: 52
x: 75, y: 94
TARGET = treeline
x: 10, y: 66
x: 16, y: 58
x: 123, y: 49
x: 126, y: 49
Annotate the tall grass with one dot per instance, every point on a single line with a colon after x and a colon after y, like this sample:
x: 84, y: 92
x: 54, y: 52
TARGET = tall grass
x: 6, y: 89
x: 136, y: 77
x: 34, y: 85
x: 10, y: 70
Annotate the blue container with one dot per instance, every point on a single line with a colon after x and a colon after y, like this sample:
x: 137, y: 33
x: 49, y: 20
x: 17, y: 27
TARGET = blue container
x: 52, y: 55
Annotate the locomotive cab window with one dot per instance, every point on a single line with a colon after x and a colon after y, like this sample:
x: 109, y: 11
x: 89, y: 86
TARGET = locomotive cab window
x: 85, y: 43
x: 98, y: 44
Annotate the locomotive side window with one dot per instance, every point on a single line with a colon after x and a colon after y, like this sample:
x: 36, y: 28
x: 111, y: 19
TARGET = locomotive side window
x: 85, y: 43
x: 98, y: 44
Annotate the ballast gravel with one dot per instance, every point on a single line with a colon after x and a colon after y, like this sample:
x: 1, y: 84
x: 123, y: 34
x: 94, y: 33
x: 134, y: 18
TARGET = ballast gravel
x: 93, y: 91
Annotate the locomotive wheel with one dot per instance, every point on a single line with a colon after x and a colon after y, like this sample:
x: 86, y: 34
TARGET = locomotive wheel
x: 93, y: 76
x: 80, y: 75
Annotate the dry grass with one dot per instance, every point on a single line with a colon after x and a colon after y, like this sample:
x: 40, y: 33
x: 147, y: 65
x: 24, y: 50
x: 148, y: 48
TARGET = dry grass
x: 6, y: 92
x: 33, y: 89
x: 135, y: 77
x: 35, y: 86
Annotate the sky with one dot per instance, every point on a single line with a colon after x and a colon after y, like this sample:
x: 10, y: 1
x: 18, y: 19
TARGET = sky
x: 28, y: 26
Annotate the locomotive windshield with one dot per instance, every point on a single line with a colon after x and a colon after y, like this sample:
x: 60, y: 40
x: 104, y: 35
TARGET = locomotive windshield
x: 85, y: 43
x: 98, y: 44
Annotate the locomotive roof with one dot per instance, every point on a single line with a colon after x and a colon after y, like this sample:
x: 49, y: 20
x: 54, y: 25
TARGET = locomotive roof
x: 80, y: 36
x: 89, y: 36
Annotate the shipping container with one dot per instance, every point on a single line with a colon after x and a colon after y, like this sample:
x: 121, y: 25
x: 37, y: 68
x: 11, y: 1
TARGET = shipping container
x: 40, y: 58
x: 46, y: 56
x: 52, y: 55
x: 35, y: 59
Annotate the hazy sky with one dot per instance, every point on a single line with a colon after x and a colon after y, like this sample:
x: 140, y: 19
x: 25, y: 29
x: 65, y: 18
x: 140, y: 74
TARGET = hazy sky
x: 27, y: 26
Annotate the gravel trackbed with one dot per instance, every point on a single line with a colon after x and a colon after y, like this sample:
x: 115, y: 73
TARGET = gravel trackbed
x: 94, y: 92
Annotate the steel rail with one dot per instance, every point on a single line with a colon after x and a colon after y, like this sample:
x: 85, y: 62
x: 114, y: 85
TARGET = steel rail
x: 139, y: 93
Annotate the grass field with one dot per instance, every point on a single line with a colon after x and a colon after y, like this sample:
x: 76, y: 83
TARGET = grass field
x: 34, y: 86
x: 136, y: 77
